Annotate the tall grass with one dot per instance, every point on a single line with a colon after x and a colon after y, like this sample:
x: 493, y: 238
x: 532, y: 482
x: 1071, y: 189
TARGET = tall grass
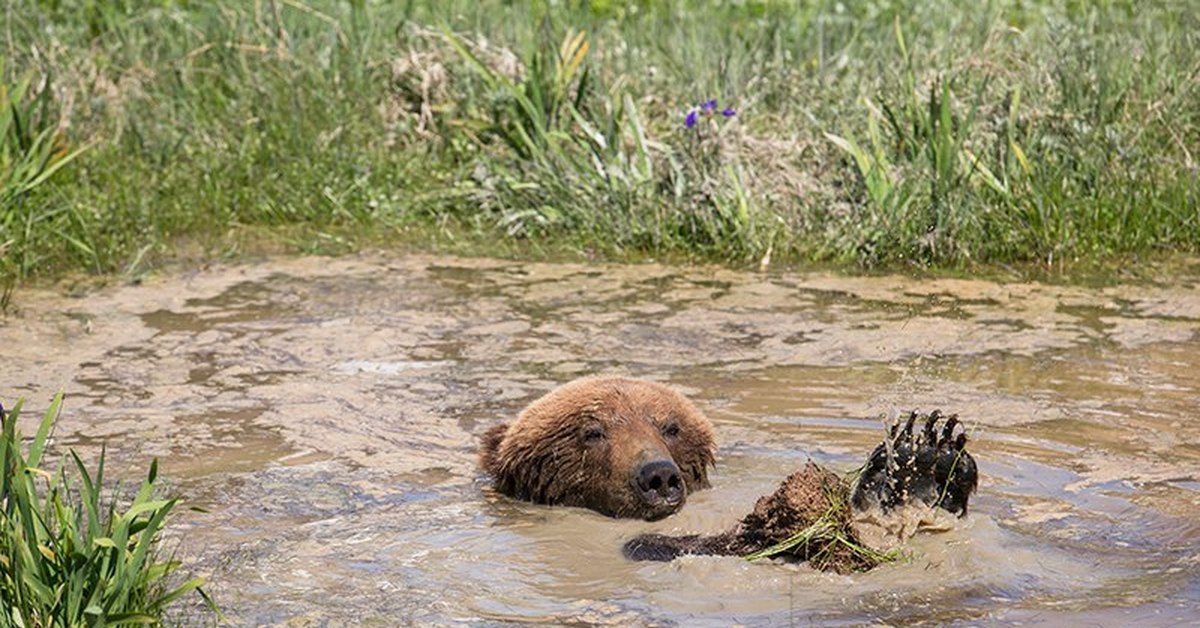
x: 68, y: 557
x: 31, y: 151
x: 877, y: 133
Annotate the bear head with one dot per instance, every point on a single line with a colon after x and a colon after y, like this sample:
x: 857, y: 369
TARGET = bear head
x: 623, y: 447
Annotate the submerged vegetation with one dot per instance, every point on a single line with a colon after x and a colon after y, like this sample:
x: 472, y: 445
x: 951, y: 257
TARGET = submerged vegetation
x: 68, y: 557
x: 878, y: 133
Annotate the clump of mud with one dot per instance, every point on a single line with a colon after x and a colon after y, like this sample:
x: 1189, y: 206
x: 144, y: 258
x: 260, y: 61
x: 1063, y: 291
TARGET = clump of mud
x: 808, y: 518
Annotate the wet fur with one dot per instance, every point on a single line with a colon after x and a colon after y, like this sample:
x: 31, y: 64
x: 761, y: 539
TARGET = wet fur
x: 543, y: 458
x: 801, y: 500
x: 931, y: 466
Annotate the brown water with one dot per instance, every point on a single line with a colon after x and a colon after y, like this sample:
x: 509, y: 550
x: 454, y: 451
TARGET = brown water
x: 326, y: 414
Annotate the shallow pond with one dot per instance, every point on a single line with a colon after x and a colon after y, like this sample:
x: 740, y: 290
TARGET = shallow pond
x: 326, y: 412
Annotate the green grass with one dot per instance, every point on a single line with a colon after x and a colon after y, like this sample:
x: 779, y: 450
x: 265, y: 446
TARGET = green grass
x: 68, y: 557
x: 878, y: 134
x: 824, y: 533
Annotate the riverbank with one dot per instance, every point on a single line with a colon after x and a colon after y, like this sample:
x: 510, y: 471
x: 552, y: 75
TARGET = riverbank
x: 1040, y: 135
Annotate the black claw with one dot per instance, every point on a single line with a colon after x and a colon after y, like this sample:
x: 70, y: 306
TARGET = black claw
x: 934, y: 469
x: 908, y: 426
x: 929, y: 433
x: 948, y: 429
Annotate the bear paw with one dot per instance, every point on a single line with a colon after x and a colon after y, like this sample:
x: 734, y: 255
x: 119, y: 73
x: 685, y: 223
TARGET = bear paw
x: 931, y: 465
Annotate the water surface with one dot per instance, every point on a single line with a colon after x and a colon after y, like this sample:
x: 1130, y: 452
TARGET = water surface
x: 326, y: 414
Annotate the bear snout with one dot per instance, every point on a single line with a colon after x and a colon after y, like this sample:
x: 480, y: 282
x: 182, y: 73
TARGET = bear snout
x: 660, y: 485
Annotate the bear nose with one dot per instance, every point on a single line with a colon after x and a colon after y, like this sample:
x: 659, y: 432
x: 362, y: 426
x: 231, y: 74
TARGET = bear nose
x: 660, y: 482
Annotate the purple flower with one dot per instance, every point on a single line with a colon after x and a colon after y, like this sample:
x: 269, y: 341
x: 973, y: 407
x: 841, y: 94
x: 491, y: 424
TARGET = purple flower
x: 708, y: 108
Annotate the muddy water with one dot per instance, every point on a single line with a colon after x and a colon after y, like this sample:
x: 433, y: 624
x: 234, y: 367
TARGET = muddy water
x: 325, y: 413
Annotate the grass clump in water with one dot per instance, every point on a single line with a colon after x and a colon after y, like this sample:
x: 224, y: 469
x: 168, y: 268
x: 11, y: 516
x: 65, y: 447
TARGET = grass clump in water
x: 829, y: 541
x: 68, y: 557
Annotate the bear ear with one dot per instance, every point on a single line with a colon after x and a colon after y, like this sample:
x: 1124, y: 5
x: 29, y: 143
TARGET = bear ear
x: 491, y: 444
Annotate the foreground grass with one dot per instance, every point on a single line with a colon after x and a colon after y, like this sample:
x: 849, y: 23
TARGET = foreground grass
x: 67, y: 557
x: 875, y: 134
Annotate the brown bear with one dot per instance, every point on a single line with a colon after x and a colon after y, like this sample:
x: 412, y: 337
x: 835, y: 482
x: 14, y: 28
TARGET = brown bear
x: 633, y: 448
x: 623, y: 447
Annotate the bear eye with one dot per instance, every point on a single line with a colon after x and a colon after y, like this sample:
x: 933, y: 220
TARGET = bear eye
x: 671, y: 431
x: 592, y: 435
